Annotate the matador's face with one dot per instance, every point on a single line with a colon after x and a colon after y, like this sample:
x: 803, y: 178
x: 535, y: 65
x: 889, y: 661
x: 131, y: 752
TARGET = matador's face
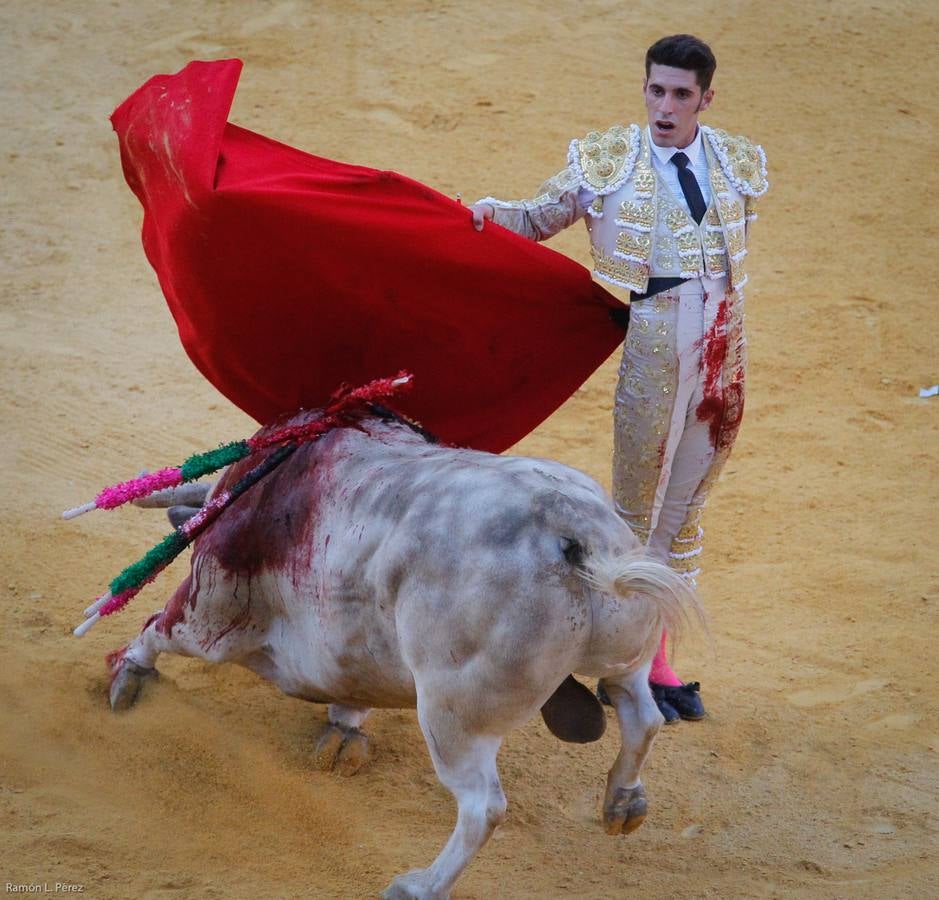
x: 674, y: 100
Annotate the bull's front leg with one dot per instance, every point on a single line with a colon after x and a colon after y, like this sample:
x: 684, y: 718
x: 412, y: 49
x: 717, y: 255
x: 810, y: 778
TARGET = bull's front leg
x: 624, y: 805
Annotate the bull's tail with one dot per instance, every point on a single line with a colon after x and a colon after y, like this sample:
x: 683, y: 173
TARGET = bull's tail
x: 635, y: 576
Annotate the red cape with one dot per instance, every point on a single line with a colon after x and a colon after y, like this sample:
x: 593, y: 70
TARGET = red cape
x: 289, y: 274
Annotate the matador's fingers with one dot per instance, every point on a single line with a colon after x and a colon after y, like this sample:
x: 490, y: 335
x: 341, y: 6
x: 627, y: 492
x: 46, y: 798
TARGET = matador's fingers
x: 481, y: 212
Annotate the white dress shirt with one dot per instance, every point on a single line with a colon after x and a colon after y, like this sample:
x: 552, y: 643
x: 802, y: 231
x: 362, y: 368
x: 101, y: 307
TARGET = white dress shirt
x: 668, y: 171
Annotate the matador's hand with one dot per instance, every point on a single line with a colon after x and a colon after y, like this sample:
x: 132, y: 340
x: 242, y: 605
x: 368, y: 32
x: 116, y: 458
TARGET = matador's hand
x: 482, y: 213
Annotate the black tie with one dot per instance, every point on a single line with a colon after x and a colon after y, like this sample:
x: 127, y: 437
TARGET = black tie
x: 689, y: 187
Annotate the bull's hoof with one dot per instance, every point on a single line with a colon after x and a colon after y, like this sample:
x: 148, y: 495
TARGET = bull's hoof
x: 411, y: 887
x: 328, y: 747
x: 344, y: 750
x: 353, y: 754
x: 127, y: 683
x: 627, y: 810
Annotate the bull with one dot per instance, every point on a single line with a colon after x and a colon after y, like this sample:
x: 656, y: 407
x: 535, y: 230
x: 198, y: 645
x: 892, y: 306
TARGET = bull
x: 375, y: 568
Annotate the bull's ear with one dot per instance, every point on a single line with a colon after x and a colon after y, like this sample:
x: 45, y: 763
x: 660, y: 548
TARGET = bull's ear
x: 574, y: 714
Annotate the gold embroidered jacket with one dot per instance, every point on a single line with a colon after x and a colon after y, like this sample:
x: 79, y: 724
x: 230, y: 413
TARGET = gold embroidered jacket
x: 637, y: 228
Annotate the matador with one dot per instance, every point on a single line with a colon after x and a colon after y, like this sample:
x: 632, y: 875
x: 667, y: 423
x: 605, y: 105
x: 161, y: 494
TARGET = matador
x: 668, y: 209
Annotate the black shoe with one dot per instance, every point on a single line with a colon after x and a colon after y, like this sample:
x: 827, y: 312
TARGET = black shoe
x: 668, y: 711
x: 603, y: 696
x: 680, y: 702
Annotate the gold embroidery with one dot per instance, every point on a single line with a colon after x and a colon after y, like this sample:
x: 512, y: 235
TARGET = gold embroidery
x: 634, y: 276
x: 735, y: 241
x: 685, y: 552
x: 643, y: 409
x: 677, y: 219
x: 724, y: 235
x: 691, y: 263
x: 738, y: 272
x: 713, y: 240
x: 644, y: 179
x: 731, y: 212
x: 685, y: 567
x: 638, y: 214
x: 744, y: 160
x: 557, y: 185
x: 717, y: 265
x: 606, y: 158
x: 597, y: 205
x: 635, y: 386
x: 691, y: 530
x: 719, y: 183
x: 634, y: 244
x: 548, y: 194
x: 661, y: 302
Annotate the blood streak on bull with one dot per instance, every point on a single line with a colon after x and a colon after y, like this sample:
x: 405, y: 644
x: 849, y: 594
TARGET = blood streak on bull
x: 269, y: 526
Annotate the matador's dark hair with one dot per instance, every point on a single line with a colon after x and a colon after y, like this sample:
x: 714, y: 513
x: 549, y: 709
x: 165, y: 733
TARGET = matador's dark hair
x: 684, y: 51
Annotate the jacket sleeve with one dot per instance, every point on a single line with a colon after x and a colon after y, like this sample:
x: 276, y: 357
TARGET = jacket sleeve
x: 558, y: 203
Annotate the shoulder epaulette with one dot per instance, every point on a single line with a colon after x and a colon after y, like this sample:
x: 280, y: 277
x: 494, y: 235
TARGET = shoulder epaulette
x: 604, y: 160
x: 743, y: 162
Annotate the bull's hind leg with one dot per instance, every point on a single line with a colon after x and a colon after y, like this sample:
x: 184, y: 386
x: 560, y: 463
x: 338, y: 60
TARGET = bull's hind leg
x: 624, y: 805
x: 343, y: 746
x: 466, y: 764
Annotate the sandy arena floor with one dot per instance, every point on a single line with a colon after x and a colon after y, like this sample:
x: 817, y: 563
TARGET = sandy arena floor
x: 816, y: 774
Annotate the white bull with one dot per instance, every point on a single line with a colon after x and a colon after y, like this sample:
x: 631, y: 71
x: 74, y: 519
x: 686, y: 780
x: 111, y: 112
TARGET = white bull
x: 376, y: 569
